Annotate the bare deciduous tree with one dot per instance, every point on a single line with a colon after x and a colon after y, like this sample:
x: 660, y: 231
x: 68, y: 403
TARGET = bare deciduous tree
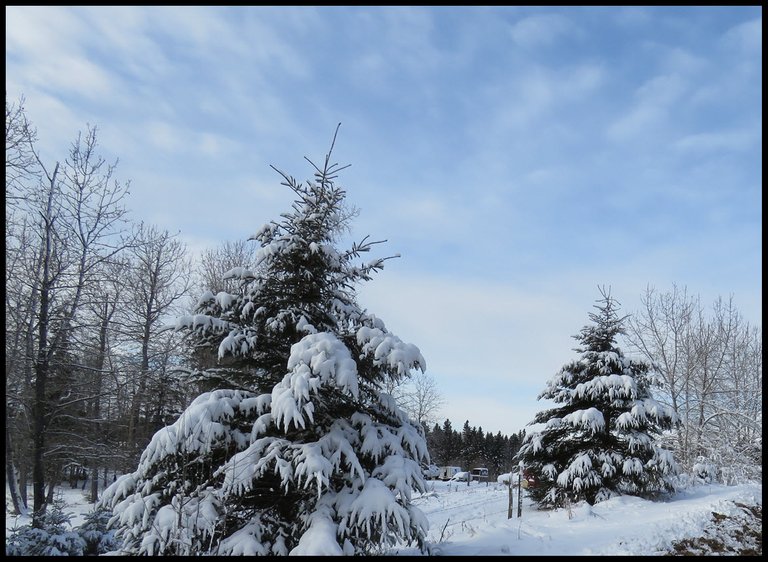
x: 709, y: 367
x: 215, y: 262
x: 72, y: 222
x: 159, y: 279
x: 421, y: 398
x: 20, y: 161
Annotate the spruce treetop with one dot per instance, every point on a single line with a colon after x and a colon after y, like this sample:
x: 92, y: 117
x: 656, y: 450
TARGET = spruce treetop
x: 607, y: 325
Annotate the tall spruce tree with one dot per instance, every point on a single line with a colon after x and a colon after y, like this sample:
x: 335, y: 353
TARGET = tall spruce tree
x: 602, y: 438
x: 296, y: 448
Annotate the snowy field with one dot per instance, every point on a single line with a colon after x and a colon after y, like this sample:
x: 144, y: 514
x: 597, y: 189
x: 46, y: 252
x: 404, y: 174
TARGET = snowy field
x: 472, y: 520
x: 468, y: 521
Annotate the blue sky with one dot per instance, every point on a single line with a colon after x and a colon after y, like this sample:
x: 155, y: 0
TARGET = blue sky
x: 516, y: 157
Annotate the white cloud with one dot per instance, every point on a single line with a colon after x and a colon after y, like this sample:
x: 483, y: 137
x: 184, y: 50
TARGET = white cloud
x: 582, y: 80
x: 47, y: 52
x: 490, y: 346
x: 631, y: 16
x: 662, y: 90
x: 467, y: 150
x: 408, y: 33
x: 521, y: 106
x: 126, y: 33
x: 541, y: 30
x: 635, y: 123
x: 400, y: 57
x: 718, y: 141
x: 168, y: 137
x: 213, y: 145
x: 38, y: 31
x: 746, y: 37
x: 653, y: 101
x: 681, y: 61
x: 507, y: 411
x: 464, y: 327
x: 165, y: 136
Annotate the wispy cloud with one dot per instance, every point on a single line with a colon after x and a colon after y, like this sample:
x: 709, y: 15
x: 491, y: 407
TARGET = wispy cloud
x: 746, y: 36
x: 45, y: 43
x: 651, y: 109
x: 542, y: 30
x: 631, y: 16
x: 515, y: 156
x: 442, y: 317
x: 720, y: 141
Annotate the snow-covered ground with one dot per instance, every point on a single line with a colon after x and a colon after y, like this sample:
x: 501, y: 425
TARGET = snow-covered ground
x: 472, y: 520
x: 468, y: 521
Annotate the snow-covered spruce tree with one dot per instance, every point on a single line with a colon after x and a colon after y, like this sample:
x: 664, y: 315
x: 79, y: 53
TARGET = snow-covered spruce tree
x: 303, y: 453
x: 602, y: 439
x: 97, y: 538
x: 54, y: 536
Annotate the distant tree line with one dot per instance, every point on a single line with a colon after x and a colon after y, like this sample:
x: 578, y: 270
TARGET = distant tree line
x: 471, y: 447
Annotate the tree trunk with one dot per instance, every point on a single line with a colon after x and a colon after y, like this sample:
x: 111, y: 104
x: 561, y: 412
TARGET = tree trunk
x: 10, y: 473
x: 133, y: 424
x: 28, y: 367
x: 23, y: 481
x: 100, y: 359
x: 51, y: 488
x: 39, y: 409
x: 41, y: 369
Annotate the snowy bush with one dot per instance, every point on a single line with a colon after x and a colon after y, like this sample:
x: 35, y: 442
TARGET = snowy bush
x: 54, y: 537
x: 705, y: 472
x: 94, y: 532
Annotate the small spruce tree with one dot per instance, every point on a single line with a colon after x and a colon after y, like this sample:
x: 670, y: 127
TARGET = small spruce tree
x: 296, y: 448
x: 97, y: 538
x: 601, y: 440
x: 53, y: 537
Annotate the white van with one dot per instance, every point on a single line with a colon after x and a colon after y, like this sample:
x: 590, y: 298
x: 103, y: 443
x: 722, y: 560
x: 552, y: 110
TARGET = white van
x: 448, y: 472
x: 479, y: 474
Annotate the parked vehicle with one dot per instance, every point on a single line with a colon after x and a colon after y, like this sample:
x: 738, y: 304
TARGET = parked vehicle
x: 460, y: 477
x: 431, y: 472
x: 448, y: 472
x: 480, y: 474
x: 529, y: 480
